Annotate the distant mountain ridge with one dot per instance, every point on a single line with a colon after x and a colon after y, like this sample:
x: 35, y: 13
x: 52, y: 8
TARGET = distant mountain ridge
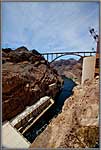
x: 70, y: 68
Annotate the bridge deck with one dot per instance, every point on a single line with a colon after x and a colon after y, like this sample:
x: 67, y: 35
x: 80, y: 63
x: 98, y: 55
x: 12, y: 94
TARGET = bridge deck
x: 78, y: 52
x: 56, y: 55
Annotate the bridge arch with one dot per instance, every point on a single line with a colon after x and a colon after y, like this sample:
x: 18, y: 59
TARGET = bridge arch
x: 65, y: 55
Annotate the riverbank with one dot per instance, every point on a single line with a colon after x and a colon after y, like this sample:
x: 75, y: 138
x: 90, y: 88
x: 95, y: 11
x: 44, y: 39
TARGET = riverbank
x: 77, y: 126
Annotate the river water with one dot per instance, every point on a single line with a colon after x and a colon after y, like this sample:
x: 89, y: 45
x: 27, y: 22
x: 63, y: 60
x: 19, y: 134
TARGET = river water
x: 39, y: 126
x: 65, y: 92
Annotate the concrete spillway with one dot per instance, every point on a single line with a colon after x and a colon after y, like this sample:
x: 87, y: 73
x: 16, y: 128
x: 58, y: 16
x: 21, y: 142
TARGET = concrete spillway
x: 22, y: 122
x: 28, y: 117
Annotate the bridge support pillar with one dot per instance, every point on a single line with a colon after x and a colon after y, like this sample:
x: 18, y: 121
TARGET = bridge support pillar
x: 88, y: 69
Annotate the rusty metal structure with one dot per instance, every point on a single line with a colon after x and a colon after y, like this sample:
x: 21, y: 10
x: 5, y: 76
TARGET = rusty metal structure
x: 96, y: 38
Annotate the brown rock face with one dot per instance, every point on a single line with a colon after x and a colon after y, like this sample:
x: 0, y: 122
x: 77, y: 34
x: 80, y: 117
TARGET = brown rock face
x: 26, y: 77
x: 69, y: 68
x: 78, y: 124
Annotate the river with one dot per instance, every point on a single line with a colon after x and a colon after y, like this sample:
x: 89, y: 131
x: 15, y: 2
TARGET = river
x: 65, y: 92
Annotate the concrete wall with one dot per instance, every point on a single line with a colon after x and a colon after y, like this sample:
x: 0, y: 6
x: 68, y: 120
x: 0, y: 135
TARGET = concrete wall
x: 88, y: 69
x: 12, y: 139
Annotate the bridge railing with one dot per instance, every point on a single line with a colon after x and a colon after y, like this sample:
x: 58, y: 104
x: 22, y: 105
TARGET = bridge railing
x: 52, y: 56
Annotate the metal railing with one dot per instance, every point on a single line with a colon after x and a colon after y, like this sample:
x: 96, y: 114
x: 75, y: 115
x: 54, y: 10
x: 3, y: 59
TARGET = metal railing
x: 55, y: 55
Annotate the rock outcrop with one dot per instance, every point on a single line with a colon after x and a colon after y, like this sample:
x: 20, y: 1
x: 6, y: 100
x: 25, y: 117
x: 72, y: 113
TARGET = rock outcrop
x: 77, y: 126
x: 69, y: 68
x: 26, y: 77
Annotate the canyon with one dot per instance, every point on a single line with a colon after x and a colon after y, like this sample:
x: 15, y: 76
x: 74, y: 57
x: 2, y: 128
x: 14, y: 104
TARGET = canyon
x: 27, y: 76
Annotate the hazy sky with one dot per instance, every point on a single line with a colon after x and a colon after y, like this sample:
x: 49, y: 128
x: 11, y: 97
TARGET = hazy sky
x: 49, y: 26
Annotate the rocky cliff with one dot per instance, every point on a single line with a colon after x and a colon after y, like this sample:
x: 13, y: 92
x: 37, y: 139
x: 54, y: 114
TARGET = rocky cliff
x: 70, y: 68
x: 77, y: 126
x: 26, y: 77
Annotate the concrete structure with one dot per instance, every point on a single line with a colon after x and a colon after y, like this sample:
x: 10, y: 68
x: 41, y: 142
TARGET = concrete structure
x: 13, y: 130
x: 39, y: 115
x: 11, y: 138
x: 28, y: 117
x: 88, y: 69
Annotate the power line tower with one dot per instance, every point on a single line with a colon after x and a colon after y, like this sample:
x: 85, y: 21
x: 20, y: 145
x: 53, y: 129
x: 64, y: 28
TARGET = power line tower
x: 94, y: 34
x: 96, y: 38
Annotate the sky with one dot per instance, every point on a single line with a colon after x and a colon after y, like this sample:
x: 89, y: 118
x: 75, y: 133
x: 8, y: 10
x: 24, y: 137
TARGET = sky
x: 49, y: 26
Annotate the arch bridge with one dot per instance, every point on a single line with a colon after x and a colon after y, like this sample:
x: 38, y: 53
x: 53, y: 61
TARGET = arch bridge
x: 53, y: 56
